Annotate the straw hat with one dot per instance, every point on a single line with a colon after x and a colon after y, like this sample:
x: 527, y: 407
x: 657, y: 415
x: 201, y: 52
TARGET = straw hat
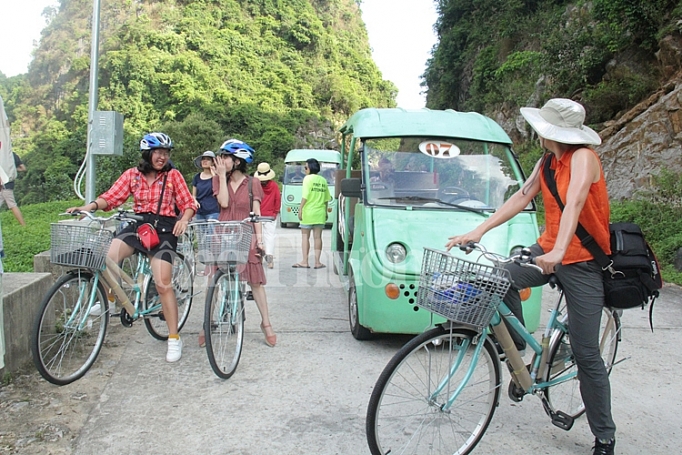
x: 264, y: 173
x: 197, y: 160
x: 561, y: 120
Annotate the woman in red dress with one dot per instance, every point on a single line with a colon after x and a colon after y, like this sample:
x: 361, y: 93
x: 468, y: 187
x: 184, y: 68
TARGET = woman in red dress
x: 230, y: 184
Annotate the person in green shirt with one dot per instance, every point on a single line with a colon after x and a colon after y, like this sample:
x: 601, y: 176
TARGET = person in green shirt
x: 313, y: 212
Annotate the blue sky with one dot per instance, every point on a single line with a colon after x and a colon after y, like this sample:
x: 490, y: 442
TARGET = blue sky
x: 400, y: 34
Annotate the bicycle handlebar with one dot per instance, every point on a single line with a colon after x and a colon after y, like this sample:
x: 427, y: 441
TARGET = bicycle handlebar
x: 524, y: 258
x: 252, y: 218
x: 120, y: 215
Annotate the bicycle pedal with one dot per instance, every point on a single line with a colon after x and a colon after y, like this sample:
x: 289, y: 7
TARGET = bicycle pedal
x: 161, y: 316
x: 249, y: 295
x: 515, y: 392
x: 562, y: 420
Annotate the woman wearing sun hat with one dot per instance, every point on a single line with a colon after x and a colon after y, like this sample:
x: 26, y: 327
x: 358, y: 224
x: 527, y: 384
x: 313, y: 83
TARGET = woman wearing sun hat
x: 580, y: 183
x: 270, y: 205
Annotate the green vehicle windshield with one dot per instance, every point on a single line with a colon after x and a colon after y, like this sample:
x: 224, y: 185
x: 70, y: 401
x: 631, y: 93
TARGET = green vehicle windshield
x: 294, y: 172
x: 436, y: 172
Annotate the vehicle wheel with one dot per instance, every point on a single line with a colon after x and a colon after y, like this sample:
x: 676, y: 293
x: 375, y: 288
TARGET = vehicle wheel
x: 566, y: 396
x: 224, y: 323
x: 282, y: 224
x: 183, y: 285
x: 408, y: 413
x: 359, y: 332
x: 68, y: 333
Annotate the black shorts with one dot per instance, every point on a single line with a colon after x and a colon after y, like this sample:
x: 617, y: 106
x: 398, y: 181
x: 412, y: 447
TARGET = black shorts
x: 168, y: 242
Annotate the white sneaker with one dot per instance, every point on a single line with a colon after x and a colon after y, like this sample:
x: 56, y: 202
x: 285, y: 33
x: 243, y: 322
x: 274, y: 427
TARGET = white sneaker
x: 96, y: 310
x: 174, y: 350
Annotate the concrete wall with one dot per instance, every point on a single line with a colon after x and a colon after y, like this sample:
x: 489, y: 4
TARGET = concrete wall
x: 22, y: 294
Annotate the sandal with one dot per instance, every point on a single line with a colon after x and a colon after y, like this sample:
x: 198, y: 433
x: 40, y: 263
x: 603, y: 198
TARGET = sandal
x: 270, y: 340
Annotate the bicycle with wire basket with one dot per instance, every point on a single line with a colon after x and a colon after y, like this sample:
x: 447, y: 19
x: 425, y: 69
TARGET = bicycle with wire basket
x: 72, y: 321
x: 439, y: 392
x: 225, y: 245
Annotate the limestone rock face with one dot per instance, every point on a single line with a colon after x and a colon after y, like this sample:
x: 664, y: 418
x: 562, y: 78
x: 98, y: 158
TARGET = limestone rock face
x: 644, y: 141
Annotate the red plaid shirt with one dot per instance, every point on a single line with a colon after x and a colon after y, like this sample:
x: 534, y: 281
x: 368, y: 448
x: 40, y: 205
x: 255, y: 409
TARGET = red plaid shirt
x: 146, y: 199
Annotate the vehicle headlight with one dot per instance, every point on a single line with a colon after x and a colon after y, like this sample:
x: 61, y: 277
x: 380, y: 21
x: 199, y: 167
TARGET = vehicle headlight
x: 396, y: 253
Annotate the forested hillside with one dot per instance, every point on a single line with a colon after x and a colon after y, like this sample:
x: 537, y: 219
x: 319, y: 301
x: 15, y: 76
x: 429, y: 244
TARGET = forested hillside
x: 277, y: 73
x: 622, y: 59
x: 495, y: 56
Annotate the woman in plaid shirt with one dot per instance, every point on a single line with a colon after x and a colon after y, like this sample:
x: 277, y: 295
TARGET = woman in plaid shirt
x: 145, y: 183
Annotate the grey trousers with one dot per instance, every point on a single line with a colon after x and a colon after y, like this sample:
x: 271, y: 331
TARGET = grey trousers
x: 584, y: 292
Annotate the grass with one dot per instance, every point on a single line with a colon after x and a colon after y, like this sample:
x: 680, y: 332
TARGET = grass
x: 21, y: 243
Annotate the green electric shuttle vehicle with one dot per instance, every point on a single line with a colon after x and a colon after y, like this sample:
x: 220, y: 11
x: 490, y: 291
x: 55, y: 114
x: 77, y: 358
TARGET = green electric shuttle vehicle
x: 410, y: 179
x: 292, y: 181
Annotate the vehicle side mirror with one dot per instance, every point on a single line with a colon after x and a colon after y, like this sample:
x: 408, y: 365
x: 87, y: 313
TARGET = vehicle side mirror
x: 351, y: 187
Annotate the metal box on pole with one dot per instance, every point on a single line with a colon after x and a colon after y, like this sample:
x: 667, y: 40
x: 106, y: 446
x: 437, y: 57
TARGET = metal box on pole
x: 107, y: 133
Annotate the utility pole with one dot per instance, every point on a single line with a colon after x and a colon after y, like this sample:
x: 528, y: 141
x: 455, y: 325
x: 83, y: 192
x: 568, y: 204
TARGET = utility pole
x: 93, y: 100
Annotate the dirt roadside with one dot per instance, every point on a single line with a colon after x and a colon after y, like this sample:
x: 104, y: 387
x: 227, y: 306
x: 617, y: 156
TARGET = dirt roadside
x: 37, y: 417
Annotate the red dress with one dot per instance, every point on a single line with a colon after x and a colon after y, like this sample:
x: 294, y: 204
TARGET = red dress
x: 239, y: 208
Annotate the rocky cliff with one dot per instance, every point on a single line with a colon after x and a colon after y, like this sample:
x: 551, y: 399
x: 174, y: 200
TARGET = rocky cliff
x: 643, y: 142
x: 648, y: 138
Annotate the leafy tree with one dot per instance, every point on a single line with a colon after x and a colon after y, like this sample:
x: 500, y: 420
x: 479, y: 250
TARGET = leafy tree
x: 262, y: 70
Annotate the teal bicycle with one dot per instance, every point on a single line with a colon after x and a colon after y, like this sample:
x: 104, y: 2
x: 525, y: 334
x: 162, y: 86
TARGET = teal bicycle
x: 438, y: 394
x: 71, y: 324
x: 225, y: 246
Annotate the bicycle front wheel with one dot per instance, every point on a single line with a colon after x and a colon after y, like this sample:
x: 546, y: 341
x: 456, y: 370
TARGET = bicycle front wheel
x: 69, y: 331
x: 224, y: 323
x: 566, y: 396
x: 408, y: 411
x: 183, y: 285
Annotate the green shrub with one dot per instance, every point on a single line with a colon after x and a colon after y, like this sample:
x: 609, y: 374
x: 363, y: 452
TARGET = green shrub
x: 21, y: 243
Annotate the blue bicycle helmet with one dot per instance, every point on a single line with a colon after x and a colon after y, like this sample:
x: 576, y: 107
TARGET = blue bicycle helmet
x: 153, y: 141
x: 239, y: 149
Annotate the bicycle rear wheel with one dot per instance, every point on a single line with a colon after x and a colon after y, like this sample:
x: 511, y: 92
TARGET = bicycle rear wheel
x: 183, y: 285
x: 566, y: 396
x: 224, y: 323
x: 405, y: 414
x: 69, y: 332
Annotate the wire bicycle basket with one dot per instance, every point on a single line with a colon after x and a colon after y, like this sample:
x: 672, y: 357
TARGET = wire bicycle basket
x: 223, y: 243
x: 461, y: 291
x: 83, y: 246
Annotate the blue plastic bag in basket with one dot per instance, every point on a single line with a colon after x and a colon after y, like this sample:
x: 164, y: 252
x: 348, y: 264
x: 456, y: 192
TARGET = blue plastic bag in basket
x: 459, y: 293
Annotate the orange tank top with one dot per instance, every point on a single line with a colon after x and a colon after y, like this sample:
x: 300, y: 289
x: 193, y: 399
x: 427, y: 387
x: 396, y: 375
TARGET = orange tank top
x: 594, y: 217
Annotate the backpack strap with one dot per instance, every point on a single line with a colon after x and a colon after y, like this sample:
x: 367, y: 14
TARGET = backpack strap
x: 585, y: 238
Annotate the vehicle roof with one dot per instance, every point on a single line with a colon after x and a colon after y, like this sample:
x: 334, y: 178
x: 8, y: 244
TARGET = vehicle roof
x: 393, y: 122
x: 327, y: 156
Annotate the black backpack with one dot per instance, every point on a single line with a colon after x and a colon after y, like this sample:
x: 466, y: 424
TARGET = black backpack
x: 631, y: 274
x: 633, y: 278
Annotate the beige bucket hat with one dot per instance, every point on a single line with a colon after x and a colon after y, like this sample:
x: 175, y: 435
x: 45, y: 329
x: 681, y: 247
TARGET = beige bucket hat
x: 561, y: 120
x: 208, y: 153
x: 264, y: 173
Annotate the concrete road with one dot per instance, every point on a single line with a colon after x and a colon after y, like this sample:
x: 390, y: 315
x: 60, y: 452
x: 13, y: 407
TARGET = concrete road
x: 309, y: 394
